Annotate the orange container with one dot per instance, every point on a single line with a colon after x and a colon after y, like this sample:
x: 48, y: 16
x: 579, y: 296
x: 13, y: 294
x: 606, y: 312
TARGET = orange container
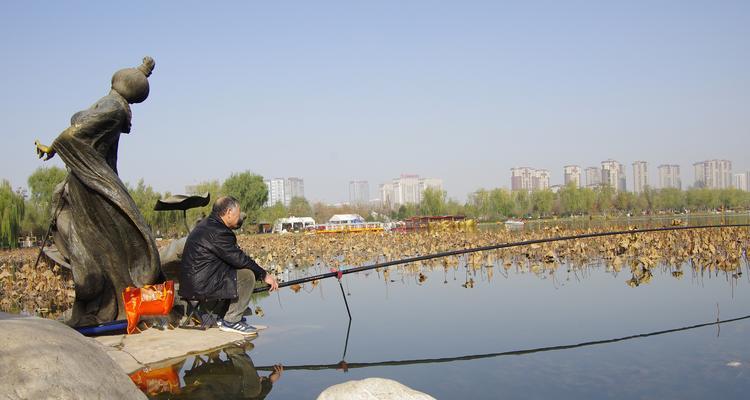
x: 158, y: 380
x: 148, y: 300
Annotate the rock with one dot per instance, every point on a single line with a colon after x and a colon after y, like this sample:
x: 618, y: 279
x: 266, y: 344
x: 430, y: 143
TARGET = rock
x: 372, y: 389
x: 44, y: 359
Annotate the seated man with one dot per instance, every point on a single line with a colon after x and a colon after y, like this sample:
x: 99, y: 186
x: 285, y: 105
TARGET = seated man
x: 215, y: 268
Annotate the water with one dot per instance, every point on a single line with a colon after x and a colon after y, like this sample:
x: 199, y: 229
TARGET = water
x: 445, y: 338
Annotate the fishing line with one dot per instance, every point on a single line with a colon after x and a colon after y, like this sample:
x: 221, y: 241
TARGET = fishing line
x: 505, y: 353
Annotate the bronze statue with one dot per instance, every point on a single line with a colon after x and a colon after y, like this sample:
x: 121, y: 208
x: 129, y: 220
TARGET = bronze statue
x: 97, y: 226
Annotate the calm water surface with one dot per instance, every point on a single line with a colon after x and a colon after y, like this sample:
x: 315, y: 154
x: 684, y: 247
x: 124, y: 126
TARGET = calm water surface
x: 452, y: 342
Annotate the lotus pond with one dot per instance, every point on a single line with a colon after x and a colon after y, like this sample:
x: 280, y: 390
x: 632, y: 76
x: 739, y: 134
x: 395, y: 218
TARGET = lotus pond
x: 633, y: 316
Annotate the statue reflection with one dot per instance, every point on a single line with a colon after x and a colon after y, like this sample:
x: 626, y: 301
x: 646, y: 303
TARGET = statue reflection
x: 228, y: 373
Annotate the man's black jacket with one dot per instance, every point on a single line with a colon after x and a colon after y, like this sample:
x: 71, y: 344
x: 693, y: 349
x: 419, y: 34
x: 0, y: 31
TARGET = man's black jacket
x: 210, y: 262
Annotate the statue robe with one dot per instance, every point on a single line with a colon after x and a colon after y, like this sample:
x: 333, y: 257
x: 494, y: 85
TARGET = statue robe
x: 99, y: 228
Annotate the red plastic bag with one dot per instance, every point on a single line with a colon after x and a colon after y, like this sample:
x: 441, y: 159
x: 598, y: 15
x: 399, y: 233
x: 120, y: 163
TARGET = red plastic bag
x: 156, y: 381
x: 148, y: 300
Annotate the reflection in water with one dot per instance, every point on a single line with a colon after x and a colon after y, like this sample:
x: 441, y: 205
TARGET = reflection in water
x: 230, y: 372
x: 227, y: 373
x: 345, y: 366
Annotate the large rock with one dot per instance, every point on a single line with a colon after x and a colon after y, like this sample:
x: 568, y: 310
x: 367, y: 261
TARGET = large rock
x: 44, y: 359
x: 372, y: 389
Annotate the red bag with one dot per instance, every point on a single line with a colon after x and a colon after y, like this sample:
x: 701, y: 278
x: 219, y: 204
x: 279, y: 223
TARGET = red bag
x: 148, y: 300
x: 155, y: 381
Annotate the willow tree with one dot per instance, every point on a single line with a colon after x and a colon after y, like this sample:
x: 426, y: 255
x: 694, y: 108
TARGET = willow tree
x: 11, y: 215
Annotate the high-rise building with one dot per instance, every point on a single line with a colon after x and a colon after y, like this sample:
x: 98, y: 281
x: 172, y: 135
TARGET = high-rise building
x: 713, y: 174
x: 640, y: 176
x: 540, y: 181
x: 282, y: 190
x: 293, y: 187
x: 275, y: 191
x: 741, y: 181
x: 359, y: 192
x: 593, y: 177
x: 572, y: 173
x: 613, y: 175
x: 407, y: 189
x: 529, y: 179
x: 669, y: 176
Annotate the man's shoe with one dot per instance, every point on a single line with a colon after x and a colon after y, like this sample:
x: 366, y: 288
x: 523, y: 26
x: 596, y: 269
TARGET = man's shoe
x: 238, y: 327
x: 257, y: 327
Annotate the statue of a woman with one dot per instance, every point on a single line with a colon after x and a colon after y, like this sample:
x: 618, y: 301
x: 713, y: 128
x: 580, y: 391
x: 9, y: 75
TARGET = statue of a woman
x: 98, y: 227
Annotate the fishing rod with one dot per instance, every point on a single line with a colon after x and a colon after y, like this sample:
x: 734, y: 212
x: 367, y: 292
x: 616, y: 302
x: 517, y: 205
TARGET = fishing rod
x: 338, y: 273
x: 315, y: 367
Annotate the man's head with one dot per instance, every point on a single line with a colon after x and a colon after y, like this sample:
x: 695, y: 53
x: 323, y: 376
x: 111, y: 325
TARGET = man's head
x: 227, y: 209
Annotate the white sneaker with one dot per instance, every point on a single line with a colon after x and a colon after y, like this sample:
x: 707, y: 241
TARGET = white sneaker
x: 238, y: 327
x: 257, y: 327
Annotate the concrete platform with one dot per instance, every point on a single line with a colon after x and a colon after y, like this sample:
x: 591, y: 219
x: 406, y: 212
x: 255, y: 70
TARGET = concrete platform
x: 133, y: 352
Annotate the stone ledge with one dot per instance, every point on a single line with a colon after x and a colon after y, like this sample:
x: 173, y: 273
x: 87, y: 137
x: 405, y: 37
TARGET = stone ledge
x: 133, y: 352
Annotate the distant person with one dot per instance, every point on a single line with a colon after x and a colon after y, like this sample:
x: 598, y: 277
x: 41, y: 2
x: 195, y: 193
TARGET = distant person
x: 215, y: 268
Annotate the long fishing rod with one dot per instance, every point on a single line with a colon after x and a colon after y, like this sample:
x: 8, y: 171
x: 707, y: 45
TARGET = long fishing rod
x: 408, y: 260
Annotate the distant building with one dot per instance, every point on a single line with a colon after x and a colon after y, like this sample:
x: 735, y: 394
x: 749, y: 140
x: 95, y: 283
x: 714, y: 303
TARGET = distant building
x: 275, y: 191
x: 669, y: 176
x: 529, y: 179
x: 407, y: 189
x: 282, y: 190
x: 640, y: 176
x: 359, y: 192
x: 613, y: 175
x: 293, y: 187
x: 593, y: 177
x: 572, y: 173
x: 713, y: 174
x: 741, y: 181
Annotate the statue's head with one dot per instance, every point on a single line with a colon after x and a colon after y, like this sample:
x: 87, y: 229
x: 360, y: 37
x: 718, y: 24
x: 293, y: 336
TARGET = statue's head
x: 132, y: 83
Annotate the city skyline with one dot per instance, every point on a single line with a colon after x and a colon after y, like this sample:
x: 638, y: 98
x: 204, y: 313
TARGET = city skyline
x: 341, y: 91
x: 530, y: 179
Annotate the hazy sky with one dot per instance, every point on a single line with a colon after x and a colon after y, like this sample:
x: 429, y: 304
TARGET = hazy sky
x: 339, y: 91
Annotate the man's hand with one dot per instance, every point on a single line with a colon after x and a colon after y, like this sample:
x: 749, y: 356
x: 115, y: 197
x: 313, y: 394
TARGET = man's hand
x: 276, y: 374
x: 272, y: 282
x: 42, y: 150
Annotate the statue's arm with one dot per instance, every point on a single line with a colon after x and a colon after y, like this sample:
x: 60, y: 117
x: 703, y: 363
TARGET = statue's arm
x: 49, y: 151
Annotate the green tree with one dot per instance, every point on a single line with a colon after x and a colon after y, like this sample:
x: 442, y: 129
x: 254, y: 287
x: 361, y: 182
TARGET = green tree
x: 501, y: 203
x: 670, y: 199
x: 702, y: 199
x: 521, y: 203
x: 272, y: 213
x: 603, y: 196
x: 249, y: 190
x: 478, y: 205
x: 39, y: 205
x: 214, y: 189
x: 42, y: 183
x: 433, y: 202
x: 11, y: 215
x: 541, y: 202
x: 299, y: 207
x: 406, y: 211
x: 571, y: 199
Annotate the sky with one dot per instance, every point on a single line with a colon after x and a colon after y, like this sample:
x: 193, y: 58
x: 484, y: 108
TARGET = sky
x: 338, y: 91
